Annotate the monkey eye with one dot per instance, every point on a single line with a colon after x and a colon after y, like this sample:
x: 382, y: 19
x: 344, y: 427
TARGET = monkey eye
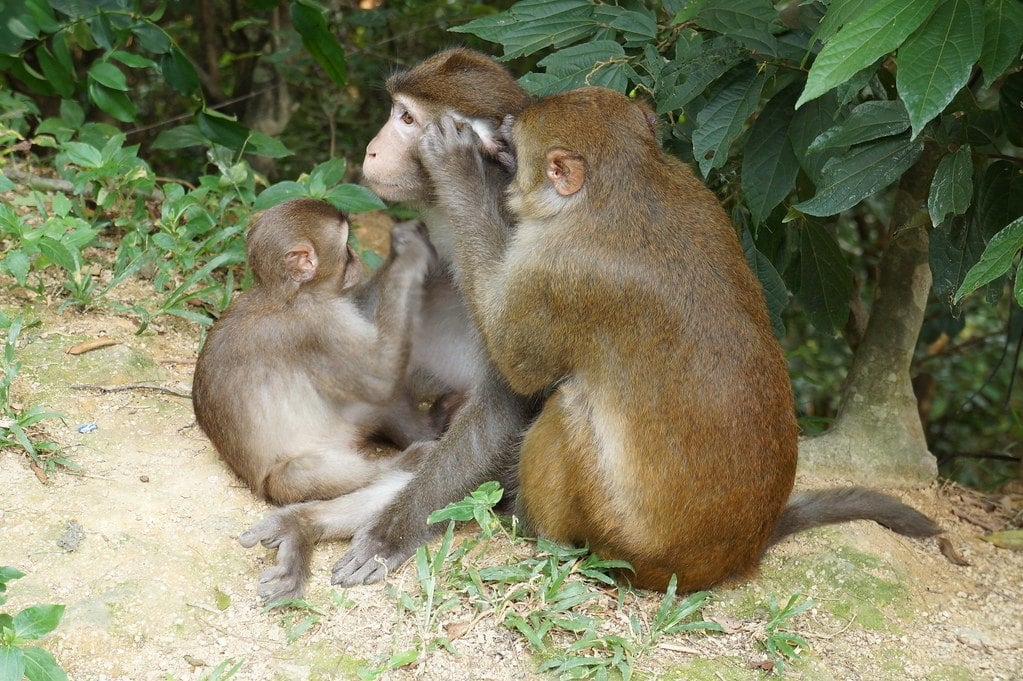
x: 407, y: 118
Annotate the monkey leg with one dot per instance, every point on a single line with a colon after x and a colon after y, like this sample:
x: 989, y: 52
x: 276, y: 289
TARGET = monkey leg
x: 322, y: 474
x: 480, y: 445
x: 294, y: 530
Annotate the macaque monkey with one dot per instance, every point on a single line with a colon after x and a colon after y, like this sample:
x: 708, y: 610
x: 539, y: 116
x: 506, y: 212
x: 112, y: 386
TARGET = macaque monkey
x: 669, y: 438
x: 481, y: 443
x: 308, y: 366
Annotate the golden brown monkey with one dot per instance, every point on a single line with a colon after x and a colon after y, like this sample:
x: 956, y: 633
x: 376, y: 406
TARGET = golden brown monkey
x: 481, y: 443
x: 670, y: 437
x: 305, y: 368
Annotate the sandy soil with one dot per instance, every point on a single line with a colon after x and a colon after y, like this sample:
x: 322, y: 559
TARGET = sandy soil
x: 156, y: 584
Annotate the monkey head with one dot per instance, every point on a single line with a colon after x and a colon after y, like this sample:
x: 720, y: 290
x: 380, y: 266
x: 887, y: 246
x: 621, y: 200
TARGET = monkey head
x: 575, y: 147
x: 301, y: 242
x: 467, y: 85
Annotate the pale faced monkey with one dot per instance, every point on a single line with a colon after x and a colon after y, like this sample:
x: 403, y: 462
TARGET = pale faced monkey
x: 307, y: 366
x: 670, y: 437
x: 481, y: 443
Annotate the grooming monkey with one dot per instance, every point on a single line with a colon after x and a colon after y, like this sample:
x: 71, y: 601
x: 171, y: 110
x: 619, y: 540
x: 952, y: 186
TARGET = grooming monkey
x: 481, y: 442
x: 669, y: 439
x: 308, y: 366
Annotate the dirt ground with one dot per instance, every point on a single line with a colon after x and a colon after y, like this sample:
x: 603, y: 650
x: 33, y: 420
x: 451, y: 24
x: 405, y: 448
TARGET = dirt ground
x: 140, y: 544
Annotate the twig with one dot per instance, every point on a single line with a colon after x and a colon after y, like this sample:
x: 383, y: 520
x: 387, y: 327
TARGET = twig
x: 177, y: 392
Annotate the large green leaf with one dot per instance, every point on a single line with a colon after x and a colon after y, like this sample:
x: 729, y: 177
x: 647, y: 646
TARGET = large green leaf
x: 179, y: 72
x: 319, y: 41
x: 108, y: 74
x: 532, y: 25
x: 839, y: 12
x: 633, y: 26
x: 847, y: 180
x: 955, y: 246
x: 826, y: 282
x: 12, y: 663
x: 61, y: 78
x: 354, y: 198
x: 180, y: 137
x: 37, y: 620
x: 769, y: 166
x: 952, y: 186
x: 998, y: 199
x: 722, y: 119
x: 751, y: 22
x: 935, y: 61
x: 868, y: 121
x: 877, y: 29
x: 598, y: 62
x: 40, y: 666
x: 688, y: 75
x: 1003, y: 35
x: 775, y: 294
x: 996, y: 260
x: 809, y: 121
x: 113, y: 102
x: 221, y: 129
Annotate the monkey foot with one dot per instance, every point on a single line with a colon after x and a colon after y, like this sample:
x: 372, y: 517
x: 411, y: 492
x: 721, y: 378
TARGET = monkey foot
x: 286, y: 579
x: 368, y: 561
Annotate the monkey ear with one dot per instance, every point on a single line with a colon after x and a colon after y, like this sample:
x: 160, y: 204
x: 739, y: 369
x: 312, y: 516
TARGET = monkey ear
x: 300, y: 263
x: 566, y: 170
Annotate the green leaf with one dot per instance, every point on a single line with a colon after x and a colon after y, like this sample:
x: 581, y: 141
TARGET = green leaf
x: 808, y: 123
x: 633, y: 26
x: 113, y: 102
x: 319, y: 41
x: 62, y: 80
x: 723, y: 117
x: 151, y: 37
x: 877, y: 29
x: 107, y: 74
x: 83, y: 154
x: 952, y: 186
x: 847, y: 180
x: 9, y: 574
x: 775, y: 294
x: 354, y: 198
x: 57, y: 253
x: 180, y: 137
x: 1003, y: 34
x: 41, y: 666
x: 1018, y: 292
x: 278, y: 193
x: 221, y: 129
x: 751, y: 22
x: 868, y: 121
x: 262, y: 144
x: 996, y: 260
x: 826, y: 282
x: 935, y: 62
x: 839, y: 12
x: 18, y: 265
x: 531, y: 25
x: 955, y: 245
x: 769, y: 166
x: 179, y: 72
x: 599, y: 62
x: 135, y: 61
x: 43, y: 15
x: 329, y: 173
x: 12, y: 663
x: 36, y: 621
x: 701, y: 66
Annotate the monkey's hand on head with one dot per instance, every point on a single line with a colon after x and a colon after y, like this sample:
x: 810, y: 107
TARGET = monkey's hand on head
x: 452, y: 155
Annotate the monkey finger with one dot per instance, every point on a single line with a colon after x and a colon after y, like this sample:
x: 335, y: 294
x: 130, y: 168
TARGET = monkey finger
x: 268, y: 531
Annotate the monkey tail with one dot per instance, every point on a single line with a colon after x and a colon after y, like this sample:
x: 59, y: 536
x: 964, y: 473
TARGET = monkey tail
x: 826, y: 506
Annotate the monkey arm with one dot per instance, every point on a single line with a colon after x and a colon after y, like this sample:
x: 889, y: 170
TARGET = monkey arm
x: 470, y: 191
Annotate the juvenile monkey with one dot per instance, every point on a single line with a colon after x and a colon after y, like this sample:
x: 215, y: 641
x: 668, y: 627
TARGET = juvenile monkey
x: 669, y: 439
x: 306, y: 367
x: 481, y: 443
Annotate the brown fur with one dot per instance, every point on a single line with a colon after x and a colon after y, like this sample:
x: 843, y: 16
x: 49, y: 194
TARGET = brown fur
x: 670, y: 437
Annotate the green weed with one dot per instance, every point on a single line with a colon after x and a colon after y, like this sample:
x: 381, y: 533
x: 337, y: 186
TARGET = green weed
x: 18, y: 659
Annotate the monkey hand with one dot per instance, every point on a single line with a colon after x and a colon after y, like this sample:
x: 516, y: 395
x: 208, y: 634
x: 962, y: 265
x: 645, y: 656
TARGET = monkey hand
x: 451, y: 154
x: 279, y: 530
x: 411, y: 242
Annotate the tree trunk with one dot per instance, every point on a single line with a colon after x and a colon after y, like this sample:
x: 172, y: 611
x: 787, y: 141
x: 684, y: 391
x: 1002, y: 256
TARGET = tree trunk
x: 877, y: 436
